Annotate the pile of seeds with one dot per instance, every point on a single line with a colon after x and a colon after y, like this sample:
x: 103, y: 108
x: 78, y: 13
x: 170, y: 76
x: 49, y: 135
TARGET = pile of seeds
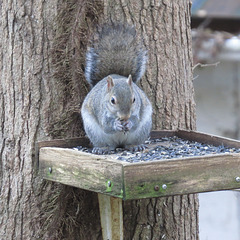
x: 167, y: 148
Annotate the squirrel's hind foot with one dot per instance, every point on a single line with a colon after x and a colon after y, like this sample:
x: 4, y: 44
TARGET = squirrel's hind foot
x: 136, y: 148
x: 101, y: 150
x: 108, y: 150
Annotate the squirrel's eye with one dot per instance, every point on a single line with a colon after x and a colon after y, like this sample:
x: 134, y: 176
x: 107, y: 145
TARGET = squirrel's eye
x: 113, y: 101
x: 133, y: 100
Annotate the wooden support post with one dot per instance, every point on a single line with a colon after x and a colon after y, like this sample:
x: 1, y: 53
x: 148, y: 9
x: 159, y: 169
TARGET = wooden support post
x: 111, y: 217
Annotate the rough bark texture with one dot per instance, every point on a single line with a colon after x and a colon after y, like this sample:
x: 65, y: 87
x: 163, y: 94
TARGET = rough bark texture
x: 25, y: 109
x: 165, y: 26
x: 42, y: 86
x: 42, y: 49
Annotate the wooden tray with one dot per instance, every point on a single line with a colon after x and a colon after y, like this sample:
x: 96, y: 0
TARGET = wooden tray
x: 102, y: 174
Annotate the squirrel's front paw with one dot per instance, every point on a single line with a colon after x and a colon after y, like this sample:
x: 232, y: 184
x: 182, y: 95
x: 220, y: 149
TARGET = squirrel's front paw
x: 118, y: 126
x: 127, y: 125
x: 122, y: 126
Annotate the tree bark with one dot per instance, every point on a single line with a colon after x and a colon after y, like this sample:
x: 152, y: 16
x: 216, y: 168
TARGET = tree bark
x: 25, y: 99
x: 42, y: 49
x: 42, y: 86
x: 166, y: 28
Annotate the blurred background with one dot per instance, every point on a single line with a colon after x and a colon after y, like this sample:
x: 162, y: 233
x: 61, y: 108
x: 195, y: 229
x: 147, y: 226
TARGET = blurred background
x: 216, y: 55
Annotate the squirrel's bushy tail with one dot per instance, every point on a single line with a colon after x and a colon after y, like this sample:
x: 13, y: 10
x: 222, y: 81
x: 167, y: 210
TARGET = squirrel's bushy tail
x: 115, y: 51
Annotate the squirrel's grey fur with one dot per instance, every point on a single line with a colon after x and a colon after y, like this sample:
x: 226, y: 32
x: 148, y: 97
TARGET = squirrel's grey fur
x: 115, y: 51
x: 116, y: 112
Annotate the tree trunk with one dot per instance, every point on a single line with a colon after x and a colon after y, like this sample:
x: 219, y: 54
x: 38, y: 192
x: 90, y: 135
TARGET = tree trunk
x: 42, y: 53
x: 42, y: 86
x: 166, y: 28
x: 26, y: 93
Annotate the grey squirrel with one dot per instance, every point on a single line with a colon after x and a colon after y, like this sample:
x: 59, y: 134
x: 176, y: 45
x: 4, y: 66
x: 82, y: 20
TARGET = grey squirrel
x: 116, y: 112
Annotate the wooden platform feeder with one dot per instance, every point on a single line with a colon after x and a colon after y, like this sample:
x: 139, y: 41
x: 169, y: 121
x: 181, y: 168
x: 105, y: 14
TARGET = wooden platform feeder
x: 116, y: 180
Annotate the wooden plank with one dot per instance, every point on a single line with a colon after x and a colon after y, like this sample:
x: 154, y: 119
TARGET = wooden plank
x: 190, y: 135
x: 174, y: 177
x: 207, y: 138
x: 65, y: 143
x: 145, y: 179
x: 162, y: 133
x: 82, y: 170
x: 111, y: 214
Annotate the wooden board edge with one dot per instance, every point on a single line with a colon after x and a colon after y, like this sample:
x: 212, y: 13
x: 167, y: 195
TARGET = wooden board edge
x: 208, y: 138
x: 64, y: 143
x: 164, y: 179
x: 164, y: 194
x: 162, y: 133
x: 96, y: 174
x: 186, y: 134
x: 61, y: 143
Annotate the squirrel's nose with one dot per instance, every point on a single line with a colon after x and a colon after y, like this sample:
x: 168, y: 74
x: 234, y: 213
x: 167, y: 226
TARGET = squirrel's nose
x: 124, y: 117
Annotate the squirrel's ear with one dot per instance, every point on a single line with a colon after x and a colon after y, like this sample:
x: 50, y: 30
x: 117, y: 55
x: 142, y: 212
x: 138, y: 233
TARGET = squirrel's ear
x: 129, y: 80
x: 110, y: 83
